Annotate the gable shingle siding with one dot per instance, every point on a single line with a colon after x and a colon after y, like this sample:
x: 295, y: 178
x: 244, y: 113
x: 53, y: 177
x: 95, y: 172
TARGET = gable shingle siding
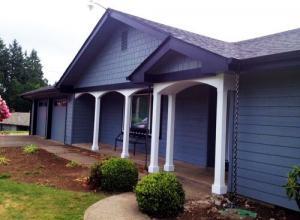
x: 173, y: 62
x: 112, y: 65
x: 269, y: 135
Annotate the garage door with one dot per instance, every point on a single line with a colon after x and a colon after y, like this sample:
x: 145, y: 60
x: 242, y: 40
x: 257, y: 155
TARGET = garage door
x: 41, y: 118
x: 58, y: 119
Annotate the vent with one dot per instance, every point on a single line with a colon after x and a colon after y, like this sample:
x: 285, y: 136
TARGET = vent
x: 124, y: 40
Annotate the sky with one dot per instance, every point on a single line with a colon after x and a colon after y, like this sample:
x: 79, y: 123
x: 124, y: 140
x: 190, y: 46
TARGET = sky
x: 58, y: 28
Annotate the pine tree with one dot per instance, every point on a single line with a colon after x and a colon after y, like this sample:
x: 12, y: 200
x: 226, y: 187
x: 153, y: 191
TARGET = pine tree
x: 19, y: 73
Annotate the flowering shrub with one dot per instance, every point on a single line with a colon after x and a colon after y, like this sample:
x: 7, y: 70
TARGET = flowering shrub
x: 4, y: 111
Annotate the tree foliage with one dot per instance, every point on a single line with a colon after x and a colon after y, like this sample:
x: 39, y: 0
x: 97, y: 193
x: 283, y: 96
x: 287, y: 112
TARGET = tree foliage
x: 4, y: 111
x: 19, y: 73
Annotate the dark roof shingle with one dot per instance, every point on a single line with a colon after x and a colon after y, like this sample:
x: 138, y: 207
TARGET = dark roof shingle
x: 271, y: 44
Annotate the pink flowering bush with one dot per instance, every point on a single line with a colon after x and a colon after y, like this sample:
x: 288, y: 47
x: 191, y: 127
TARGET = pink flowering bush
x: 4, y: 110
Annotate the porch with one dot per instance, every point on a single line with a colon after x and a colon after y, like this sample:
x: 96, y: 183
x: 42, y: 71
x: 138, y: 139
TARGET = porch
x: 197, y: 139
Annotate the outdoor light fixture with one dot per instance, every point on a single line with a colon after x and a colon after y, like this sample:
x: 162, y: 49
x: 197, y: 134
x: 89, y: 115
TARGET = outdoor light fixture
x: 92, y: 3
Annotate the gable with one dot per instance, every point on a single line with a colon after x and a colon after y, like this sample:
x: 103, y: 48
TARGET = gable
x: 173, y: 61
x: 111, y: 64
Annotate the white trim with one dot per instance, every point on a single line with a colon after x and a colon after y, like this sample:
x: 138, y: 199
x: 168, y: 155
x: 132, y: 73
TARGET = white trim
x: 169, y: 165
x: 153, y: 167
x: 95, y: 146
x: 219, y: 186
x: 126, y: 128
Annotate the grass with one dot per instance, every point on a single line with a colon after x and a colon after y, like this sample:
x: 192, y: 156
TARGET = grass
x: 28, y: 201
x: 14, y: 132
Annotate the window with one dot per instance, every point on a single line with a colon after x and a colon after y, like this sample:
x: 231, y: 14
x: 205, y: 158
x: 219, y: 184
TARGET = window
x: 124, y: 40
x: 140, y: 111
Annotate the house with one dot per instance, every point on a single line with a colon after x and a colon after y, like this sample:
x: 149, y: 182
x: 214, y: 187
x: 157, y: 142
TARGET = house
x: 192, y: 92
x: 18, y: 121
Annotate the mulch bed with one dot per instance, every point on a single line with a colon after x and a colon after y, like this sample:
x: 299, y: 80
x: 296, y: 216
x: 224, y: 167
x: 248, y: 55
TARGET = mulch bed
x: 43, y: 168
x: 213, y: 207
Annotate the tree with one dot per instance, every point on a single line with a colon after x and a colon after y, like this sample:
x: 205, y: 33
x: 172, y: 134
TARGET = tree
x: 19, y: 73
x: 4, y: 110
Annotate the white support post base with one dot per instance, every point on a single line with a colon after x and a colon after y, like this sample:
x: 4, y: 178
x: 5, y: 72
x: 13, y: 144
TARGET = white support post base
x: 169, y: 165
x: 154, y: 168
x: 219, y: 190
x: 219, y: 186
x: 126, y: 129
x: 95, y: 146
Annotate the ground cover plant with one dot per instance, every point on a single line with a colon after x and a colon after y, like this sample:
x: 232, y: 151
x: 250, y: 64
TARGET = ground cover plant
x: 30, y: 149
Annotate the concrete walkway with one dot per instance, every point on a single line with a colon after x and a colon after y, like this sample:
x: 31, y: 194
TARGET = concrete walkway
x: 118, y: 207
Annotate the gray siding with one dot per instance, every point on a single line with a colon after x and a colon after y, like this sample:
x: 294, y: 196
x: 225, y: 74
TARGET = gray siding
x: 173, y: 61
x: 191, y: 123
x: 83, y: 119
x: 269, y: 135
x: 111, y: 117
x: 69, y: 120
x: 112, y: 65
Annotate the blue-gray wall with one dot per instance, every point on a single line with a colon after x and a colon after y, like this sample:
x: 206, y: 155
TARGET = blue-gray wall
x: 191, y: 124
x: 269, y: 135
x: 112, y: 65
x: 83, y: 119
x: 111, y: 117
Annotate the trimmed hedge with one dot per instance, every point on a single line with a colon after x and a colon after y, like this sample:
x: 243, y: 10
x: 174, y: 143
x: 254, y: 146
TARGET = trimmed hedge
x: 160, y: 195
x: 114, y: 175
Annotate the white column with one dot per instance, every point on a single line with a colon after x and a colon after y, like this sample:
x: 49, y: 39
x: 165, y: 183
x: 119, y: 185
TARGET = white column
x: 219, y: 186
x: 153, y: 167
x: 169, y: 166
x: 126, y: 128
x: 95, y: 146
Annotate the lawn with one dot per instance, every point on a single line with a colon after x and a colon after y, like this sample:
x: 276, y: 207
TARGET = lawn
x: 14, y: 132
x: 30, y: 201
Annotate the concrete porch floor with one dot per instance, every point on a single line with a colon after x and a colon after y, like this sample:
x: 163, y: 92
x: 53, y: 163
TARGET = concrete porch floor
x: 196, y: 181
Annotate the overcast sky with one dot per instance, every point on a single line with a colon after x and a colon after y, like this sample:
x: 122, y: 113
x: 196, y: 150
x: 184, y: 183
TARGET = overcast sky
x: 58, y: 28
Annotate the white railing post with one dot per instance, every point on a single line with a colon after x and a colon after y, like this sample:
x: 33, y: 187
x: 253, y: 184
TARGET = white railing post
x: 153, y: 167
x: 95, y: 146
x: 169, y: 165
x: 126, y: 128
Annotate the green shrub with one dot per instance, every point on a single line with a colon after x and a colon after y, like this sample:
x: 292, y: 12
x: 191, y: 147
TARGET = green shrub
x: 72, y: 164
x: 94, y: 180
x: 30, y: 149
x: 160, y: 195
x: 119, y: 175
x: 293, y: 185
x: 4, y: 160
